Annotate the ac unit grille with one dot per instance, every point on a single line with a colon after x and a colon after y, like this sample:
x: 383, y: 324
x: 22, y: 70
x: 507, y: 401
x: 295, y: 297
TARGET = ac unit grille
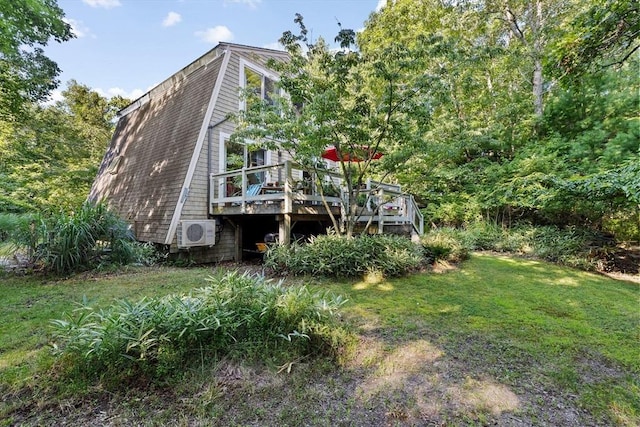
x: 196, y: 233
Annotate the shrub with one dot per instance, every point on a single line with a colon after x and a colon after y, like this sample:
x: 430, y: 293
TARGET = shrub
x: 333, y: 255
x: 63, y: 243
x: 445, y: 243
x: 569, y: 246
x: 20, y: 231
x: 483, y: 235
x: 236, y: 314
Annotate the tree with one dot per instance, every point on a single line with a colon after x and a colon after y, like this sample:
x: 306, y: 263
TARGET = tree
x: 360, y: 103
x: 498, y: 149
x: 49, y: 159
x: 482, y: 113
x: 602, y: 33
x: 27, y: 75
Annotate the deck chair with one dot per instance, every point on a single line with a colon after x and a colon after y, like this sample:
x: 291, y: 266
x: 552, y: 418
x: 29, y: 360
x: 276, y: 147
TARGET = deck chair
x: 254, y: 189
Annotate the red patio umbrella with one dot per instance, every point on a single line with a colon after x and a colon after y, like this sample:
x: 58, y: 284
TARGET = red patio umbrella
x: 331, y: 153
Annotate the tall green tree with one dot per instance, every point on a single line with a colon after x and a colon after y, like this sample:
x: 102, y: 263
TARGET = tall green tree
x: 26, y: 74
x: 483, y: 112
x: 50, y: 158
x: 360, y: 103
x: 600, y: 34
x: 501, y: 149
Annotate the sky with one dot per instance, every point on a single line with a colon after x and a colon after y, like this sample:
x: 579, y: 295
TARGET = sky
x: 125, y: 47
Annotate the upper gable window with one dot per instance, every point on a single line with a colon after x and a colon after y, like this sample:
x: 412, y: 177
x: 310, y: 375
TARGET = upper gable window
x: 259, y: 82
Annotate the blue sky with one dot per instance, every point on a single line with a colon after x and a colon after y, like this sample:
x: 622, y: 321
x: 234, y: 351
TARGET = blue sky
x: 126, y: 47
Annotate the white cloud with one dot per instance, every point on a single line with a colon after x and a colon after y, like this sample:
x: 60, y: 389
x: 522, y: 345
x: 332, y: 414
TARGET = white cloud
x: 381, y: 4
x: 115, y: 91
x: 55, y: 96
x: 274, y: 46
x: 217, y: 34
x: 253, y: 4
x: 78, y: 28
x: 107, y: 4
x: 172, y: 19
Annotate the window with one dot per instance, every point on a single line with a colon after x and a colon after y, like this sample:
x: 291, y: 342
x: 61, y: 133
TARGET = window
x: 258, y: 82
x: 114, y: 165
x: 237, y: 156
x: 234, y: 155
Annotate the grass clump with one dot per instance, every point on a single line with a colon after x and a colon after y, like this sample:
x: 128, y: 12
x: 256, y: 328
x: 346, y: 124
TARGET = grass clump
x: 570, y: 246
x: 236, y: 314
x: 446, y: 244
x: 63, y: 243
x: 333, y: 255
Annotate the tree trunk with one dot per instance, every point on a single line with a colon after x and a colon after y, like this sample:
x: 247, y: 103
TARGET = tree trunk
x: 538, y: 82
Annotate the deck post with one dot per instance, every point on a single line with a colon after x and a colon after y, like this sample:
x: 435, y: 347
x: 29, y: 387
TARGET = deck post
x: 380, y: 212
x: 288, y: 188
x: 284, y: 232
x: 244, y: 189
x: 237, y: 228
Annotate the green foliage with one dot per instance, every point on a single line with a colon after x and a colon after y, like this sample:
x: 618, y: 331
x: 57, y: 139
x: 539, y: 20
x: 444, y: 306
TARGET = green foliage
x: 361, y: 103
x: 236, y: 314
x: 488, y: 157
x: 571, y: 246
x: 602, y: 32
x: 64, y: 243
x: 334, y: 255
x: 27, y: 75
x: 445, y: 243
x: 49, y: 159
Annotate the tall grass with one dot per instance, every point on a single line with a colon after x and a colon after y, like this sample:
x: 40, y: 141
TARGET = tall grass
x: 66, y: 242
x: 333, y: 255
x: 236, y: 314
x: 571, y: 246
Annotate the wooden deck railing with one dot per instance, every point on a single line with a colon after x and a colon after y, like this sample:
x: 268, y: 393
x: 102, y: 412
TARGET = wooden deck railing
x: 287, y: 184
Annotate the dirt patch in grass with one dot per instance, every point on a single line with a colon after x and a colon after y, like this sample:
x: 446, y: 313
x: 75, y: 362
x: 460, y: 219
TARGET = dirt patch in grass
x: 622, y: 259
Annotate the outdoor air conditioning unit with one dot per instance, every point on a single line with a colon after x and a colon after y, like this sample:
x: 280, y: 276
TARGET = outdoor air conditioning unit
x: 196, y: 233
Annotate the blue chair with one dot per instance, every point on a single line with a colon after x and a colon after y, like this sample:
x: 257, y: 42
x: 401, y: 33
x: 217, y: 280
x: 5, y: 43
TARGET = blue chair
x: 254, y: 189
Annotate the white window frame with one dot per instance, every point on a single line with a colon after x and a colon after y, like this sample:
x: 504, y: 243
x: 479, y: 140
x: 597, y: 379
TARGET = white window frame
x: 258, y: 69
x: 222, y: 159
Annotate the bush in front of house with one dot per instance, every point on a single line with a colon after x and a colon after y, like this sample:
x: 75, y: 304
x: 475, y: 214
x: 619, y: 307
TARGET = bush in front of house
x: 236, y: 315
x: 63, y: 243
x: 333, y: 255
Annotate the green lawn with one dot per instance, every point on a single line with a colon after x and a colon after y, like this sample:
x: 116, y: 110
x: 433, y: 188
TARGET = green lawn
x: 500, y: 340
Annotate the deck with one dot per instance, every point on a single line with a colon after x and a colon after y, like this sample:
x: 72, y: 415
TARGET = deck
x: 286, y: 191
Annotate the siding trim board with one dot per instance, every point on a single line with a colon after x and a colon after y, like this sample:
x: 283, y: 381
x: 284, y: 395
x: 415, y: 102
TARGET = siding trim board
x: 198, y: 149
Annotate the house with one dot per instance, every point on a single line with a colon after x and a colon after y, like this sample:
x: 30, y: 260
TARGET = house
x: 173, y: 174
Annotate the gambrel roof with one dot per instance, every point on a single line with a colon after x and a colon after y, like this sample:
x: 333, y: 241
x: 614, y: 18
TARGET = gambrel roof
x: 146, y: 173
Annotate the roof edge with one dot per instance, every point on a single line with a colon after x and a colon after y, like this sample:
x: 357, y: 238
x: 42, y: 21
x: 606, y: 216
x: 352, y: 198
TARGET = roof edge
x: 203, y: 60
x: 283, y: 53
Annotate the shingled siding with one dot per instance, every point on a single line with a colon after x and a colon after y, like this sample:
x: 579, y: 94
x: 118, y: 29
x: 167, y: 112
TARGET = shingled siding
x: 196, y: 207
x: 155, y: 143
x: 153, y: 147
